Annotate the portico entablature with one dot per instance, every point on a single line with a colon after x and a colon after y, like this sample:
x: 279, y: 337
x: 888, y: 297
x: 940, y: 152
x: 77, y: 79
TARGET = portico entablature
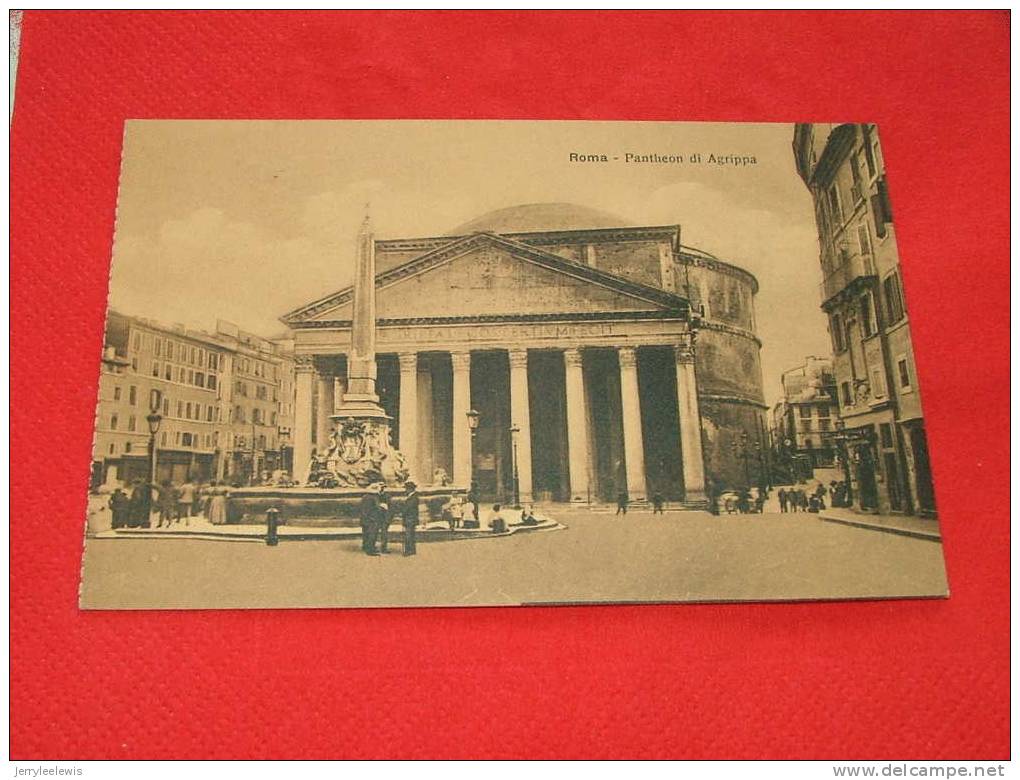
x: 470, y: 335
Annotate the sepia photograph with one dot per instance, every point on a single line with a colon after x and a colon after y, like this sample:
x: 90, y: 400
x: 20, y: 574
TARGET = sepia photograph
x: 484, y: 363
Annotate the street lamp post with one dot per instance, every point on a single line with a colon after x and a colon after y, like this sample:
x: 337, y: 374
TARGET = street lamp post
x: 153, y: 419
x: 844, y: 455
x: 472, y: 419
x: 514, y: 430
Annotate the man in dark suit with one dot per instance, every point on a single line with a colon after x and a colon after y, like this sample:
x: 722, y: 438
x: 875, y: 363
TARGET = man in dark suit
x: 368, y: 510
x: 409, y: 518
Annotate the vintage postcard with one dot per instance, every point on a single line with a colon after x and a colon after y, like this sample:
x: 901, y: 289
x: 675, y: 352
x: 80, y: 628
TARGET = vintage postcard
x: 464, y: 363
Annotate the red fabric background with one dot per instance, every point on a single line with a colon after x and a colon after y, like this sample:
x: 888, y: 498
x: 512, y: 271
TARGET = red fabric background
x: 881, y: 679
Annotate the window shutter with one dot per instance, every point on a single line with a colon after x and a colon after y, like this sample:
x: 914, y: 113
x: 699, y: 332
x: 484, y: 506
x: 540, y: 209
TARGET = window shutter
x: 883, y: 194
x: 878, y: 215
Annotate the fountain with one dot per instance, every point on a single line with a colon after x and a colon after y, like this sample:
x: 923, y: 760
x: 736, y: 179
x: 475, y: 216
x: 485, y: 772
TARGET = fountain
x: 360, y: 452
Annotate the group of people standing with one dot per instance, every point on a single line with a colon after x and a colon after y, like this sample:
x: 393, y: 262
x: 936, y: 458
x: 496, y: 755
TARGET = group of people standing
x: 799, y: 500
x: 377, y: 512
x: 171, y: 503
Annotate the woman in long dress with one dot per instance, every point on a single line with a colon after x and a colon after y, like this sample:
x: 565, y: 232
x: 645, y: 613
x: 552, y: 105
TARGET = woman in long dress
x: 218, y: 504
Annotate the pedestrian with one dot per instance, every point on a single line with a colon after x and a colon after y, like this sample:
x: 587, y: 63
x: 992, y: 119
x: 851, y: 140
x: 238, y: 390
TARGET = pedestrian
x: 198, y: 499
x: 217, y: 512
x: 167, y: 503
x: 782, y: 500
x: 743, y: 501
x: 473, y: 499
x: 185, y: 498
x: 496, y: 522
x: 384, y: 517
x: 409, y: 517
x: 368, y: 511
x: 622, y: 499
x: 814, y: 504
x: 712, y: 493
x: 657, y: 504
x: 454, y: 512
x: 528, y: 516
x: 140, y: 505
x: 119, y: 508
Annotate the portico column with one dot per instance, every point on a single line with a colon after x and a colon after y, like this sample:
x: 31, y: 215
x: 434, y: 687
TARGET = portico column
x: 577, y: 425
x: 323, y: 410
x: 461, y: 405
x: 633, y: 444
x: 303, y: 371
x: 520, y: 416
x: 409, y: 410
x: 690, y: 422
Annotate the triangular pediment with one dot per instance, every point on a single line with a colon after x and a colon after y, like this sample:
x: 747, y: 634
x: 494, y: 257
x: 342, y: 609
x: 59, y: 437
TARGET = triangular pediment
x: 486, y: 275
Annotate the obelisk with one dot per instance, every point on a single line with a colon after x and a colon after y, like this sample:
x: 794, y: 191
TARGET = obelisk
x: 361, y: 400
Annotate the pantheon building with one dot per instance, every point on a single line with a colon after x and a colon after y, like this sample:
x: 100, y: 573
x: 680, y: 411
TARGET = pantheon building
x: 600, y: 357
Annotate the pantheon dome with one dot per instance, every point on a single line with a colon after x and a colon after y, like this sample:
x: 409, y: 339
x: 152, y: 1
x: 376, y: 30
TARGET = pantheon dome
x: 540, y: 217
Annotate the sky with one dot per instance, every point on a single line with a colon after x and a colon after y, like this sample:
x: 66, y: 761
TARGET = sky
x: 245, y: 221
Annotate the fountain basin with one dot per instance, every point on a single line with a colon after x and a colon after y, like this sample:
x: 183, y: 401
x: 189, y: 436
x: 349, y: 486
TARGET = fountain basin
x: 326, y: 507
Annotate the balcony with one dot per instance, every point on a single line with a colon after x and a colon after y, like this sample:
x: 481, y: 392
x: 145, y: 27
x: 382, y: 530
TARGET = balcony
x: 855, y: 267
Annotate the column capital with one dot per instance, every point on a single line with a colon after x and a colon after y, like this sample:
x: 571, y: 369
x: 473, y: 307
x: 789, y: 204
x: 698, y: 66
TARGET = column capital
x: 572, y: 357
x: 408, y: 361
x: 628, y: 357
x: 304, y: 364
x: 518, y: 357
x: 683, y: 350
x: 461, y: 360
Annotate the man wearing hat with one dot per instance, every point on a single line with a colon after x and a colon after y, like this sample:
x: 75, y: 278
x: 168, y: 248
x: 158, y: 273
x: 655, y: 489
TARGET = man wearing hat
x: 368, y: 510
x: 409, y: 517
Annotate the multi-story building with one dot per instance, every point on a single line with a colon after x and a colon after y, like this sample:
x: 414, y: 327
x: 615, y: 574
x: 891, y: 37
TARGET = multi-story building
x: 187, y: 368
x: 804, y: 419
x: 884, y: 447
x: 215, y: 394
x: 261, y: 380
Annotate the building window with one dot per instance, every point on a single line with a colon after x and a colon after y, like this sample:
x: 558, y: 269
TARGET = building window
x: 867, y: 315
x: 844, y: 390
x: 210, y: 382
x: 134, y: 364
x: 836, y: 327
x: 127, y: 446
x: 824, y: 423
x: 187, y: 410
x: 805, y: 412
x: 186, y: 439
x: 864, y: 238
x: 155, y: 369
x: 904, y: 372
x: 885, y: 433
x: 116, y: 393
x: 132, y: 395
x: 180, y: 409
x: 200, y: 378
x: 162, y: 439
x: 166, y: 407
x: 138, y: 342
x: 893, y: 298
x: 855, y: 169
x: 131, y: 423
x: 877, y: 383
x: 881, y: 209
x: 209, y: 414
x: 113, y: 422
x: 869, y: 154
x: 834, y: 205
x: 168, y: 372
